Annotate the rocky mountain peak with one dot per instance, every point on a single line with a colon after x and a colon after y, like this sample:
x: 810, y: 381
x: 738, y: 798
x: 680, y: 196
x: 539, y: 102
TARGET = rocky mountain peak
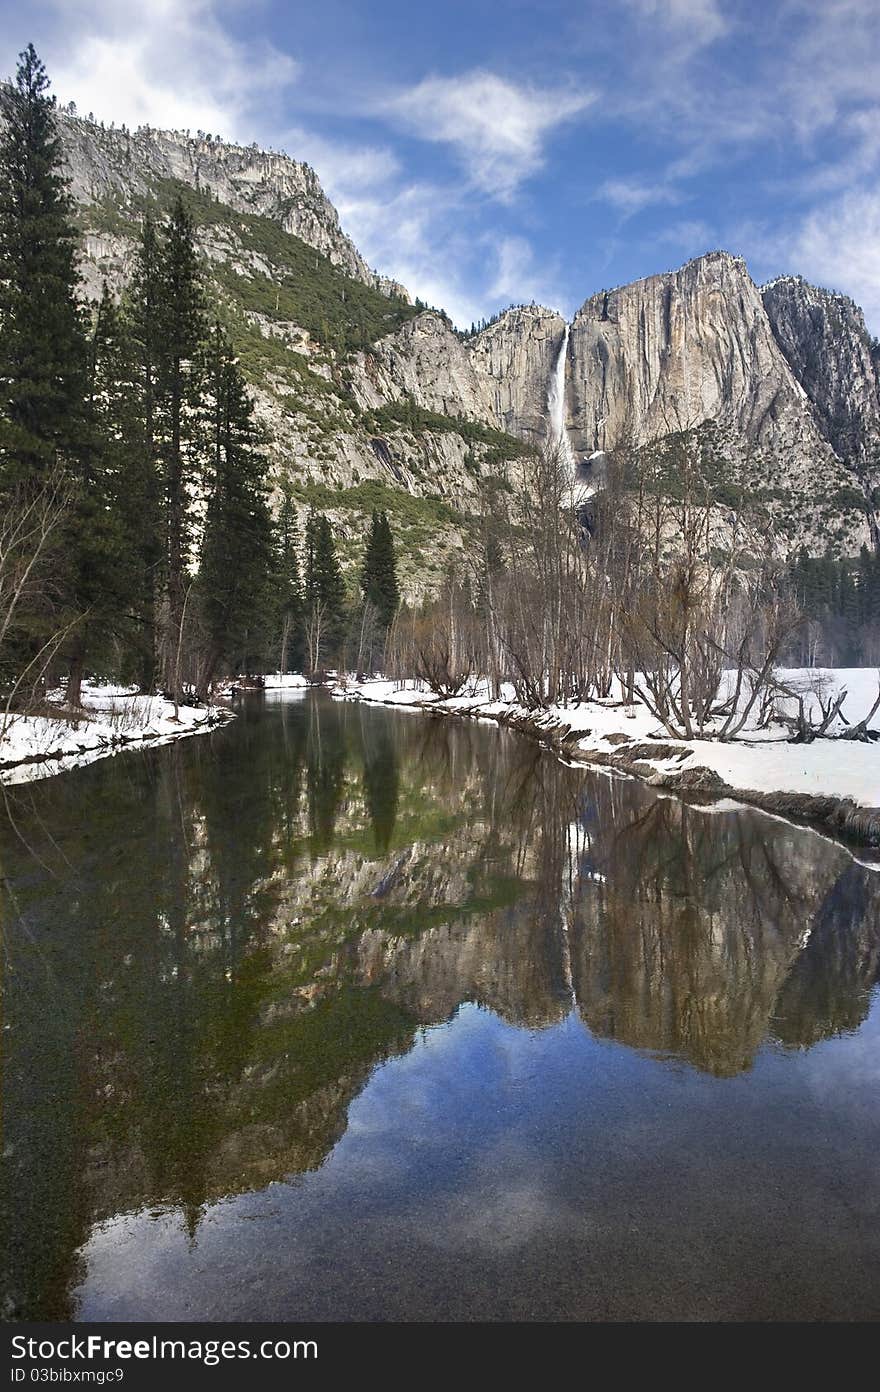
x: 787, y: 373
x: 516, y: 354
x: 677, y: 349
x: 823, y: 336
x: 117, y: 165
x: 720, y: 271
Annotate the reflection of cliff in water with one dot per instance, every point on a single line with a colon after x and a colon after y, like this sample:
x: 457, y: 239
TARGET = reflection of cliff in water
x: 689, y: 942
x: 207, y: 967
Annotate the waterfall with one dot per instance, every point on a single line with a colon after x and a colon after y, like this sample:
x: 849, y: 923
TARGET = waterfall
x: 556, y: 407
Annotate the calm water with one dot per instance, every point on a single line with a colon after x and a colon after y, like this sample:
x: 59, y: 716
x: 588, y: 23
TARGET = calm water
x: 347, y: 1013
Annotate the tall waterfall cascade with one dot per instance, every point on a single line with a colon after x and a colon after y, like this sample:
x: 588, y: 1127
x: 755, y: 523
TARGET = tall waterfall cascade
x: 556, y: 408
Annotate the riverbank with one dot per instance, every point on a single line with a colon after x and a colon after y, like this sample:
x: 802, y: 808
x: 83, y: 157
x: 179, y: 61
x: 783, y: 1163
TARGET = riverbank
x: 113, y: 718
x: 833, y: 784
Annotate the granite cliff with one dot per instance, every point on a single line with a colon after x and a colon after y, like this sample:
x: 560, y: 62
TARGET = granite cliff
x: 823, y: 338
x: 370, y: 400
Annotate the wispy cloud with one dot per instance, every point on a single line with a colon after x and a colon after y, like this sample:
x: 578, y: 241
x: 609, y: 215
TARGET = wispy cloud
x: 496, y: 127
x: 838, y: 245
x: 346, y: 168
x: 422, y: 236
x: 171, y: 63
x: 694, y: 23
x: 521, y: 275
x: 688, y: 235
x: 630, y: 196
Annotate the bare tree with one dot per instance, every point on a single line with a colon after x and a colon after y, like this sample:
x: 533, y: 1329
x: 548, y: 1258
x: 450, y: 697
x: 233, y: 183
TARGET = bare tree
x: 702, y: 596
x: 30, y: 530
x: 316, y: 634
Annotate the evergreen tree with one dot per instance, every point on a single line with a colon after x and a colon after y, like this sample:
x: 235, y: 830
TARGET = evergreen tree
x: 43, y: 363
x: 104, y: 577
x: 180, y: 334
x: 379, y: 570
x: 289, y: 586
x: 42, y: 346
x: 237, y: 551
x: 324, y: 586
x: 124, y: 469
x: 144, y: 301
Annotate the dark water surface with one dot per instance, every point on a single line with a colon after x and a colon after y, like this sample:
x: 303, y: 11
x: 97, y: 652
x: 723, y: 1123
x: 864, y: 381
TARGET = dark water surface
x: 341, y: 1012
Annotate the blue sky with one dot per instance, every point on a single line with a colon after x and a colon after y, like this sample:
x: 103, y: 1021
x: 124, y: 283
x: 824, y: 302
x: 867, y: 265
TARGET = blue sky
x: 489, y: 151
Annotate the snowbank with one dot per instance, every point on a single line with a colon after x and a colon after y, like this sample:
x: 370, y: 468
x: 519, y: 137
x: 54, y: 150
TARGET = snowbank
x: 831, y: 780
x: 284, y: 681
x: 114, y: 718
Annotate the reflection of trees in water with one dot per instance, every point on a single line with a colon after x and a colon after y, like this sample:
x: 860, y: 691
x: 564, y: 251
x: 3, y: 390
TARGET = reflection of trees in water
x: 381, y: 779
x: 325, y: 772
x: 244, y: 925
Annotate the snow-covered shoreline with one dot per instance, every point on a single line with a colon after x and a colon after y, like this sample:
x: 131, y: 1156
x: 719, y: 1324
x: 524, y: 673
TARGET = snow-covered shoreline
x: 832, y: 782
x: 113, y: 719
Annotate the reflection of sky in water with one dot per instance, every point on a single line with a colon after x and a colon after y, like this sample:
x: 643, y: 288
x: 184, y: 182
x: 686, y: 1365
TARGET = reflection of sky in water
x: 563, y: 1174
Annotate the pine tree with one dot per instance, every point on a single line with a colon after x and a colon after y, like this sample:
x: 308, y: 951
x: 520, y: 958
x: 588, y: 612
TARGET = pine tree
x: 181, y: 332
x: 237, y: 552
x: 144, y: 301
x: 123, y: 478
x: 289, y: 586
x: 324, y: 588
x: 42, y: 346
x: 379, y: 571
x: 43, y: 371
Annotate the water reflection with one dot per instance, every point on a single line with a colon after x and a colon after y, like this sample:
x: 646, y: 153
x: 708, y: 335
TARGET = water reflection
x: 211, y: 947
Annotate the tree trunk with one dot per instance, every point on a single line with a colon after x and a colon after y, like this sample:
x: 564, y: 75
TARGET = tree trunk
x: 175, y: 543
x: 285, y: 634
x: 75, y: 672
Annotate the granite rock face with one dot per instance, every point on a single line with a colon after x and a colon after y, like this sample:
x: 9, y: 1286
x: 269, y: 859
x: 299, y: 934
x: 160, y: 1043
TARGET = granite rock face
x: 116, y: 163
x: 697, y: 345
x: 675, y: 350
x: 787, y: 376
x: 823, y: 337
x: 515, y: 357
x: 426, y: 360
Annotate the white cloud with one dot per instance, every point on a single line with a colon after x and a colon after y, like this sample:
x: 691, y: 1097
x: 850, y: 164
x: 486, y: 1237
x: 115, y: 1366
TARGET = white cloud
x: 699, y: 22
x: 411, y: 233
x: 838, y: 245
x: 519, y: 277
x: 691, y: 235
x: 422, y: 234
x: 344, y: 169
x: 167, y: 63
x: 835, y: 244
x: 497, y: 128
x: 630, y: 196
x: 808, y: 85
x: 861, y: 132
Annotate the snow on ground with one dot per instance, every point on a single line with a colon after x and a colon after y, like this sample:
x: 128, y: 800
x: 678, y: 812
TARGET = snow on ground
x: 284, y: 681
x: 114, y: 718
x: 763, y: 761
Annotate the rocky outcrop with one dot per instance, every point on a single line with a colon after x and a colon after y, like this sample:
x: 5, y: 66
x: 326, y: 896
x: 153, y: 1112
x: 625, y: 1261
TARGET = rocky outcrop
x: 426, y: 361
x: 788, y: 376
x: 121, y: 165
x: 829, y: 350
x: 696, y: 345
x: 678, y: 349
x: 515, y: 356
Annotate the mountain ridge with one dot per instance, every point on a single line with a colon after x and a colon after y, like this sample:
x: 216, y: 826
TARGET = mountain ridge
x: 353, y: 393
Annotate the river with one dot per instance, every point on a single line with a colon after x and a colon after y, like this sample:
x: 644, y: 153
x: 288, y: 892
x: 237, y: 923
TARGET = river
x: 341, y: 1012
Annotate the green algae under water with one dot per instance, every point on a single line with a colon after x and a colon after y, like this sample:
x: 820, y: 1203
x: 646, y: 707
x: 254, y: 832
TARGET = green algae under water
x: 344, y: 1013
